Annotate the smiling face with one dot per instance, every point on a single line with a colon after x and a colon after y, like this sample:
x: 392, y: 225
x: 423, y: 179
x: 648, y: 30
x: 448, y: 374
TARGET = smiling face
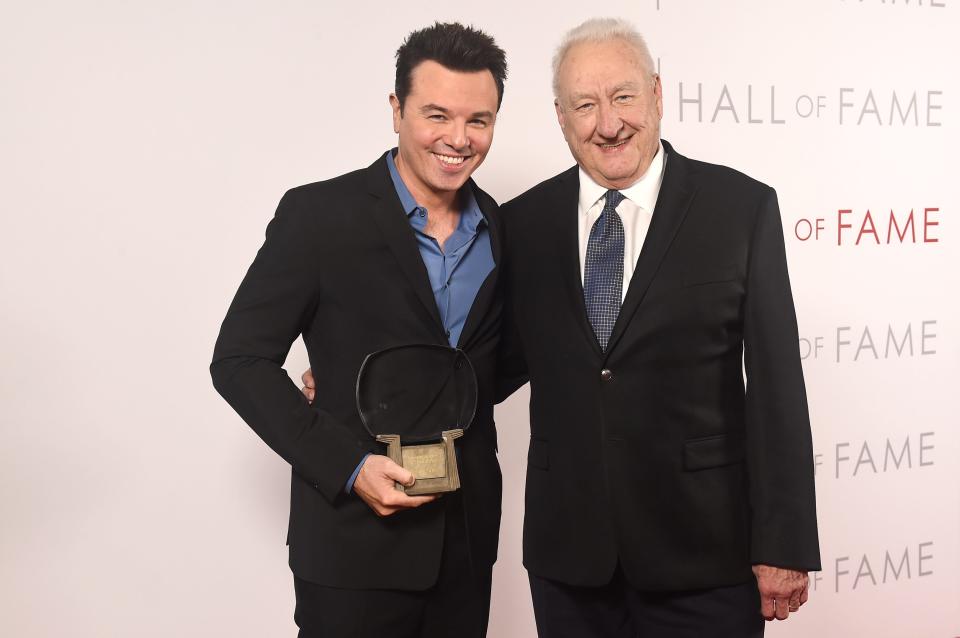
x: 609, y: 108
x: 445, y: 129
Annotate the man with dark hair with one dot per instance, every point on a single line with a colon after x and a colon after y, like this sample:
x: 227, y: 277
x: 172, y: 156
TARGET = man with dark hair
x: 405, y: 251
x: 454, y: 47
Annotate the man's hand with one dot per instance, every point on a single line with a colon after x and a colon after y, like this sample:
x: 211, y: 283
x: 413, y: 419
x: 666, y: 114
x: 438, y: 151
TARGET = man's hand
x: 309, y: 388
x: 781, y: 590
x: 375, y: 482
x: 375, y: 485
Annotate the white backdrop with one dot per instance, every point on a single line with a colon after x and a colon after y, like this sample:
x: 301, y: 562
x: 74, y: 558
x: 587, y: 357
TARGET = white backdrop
x: 143, y: 148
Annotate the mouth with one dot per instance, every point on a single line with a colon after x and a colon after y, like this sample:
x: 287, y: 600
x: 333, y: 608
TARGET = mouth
x: 451, y: 161
x: 613, y: 147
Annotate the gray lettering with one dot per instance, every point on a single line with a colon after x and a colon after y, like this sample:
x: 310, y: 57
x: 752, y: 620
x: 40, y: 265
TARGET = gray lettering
x: 750, y: 119
x: 923, y: 448
x: 841, y: 342
x: 698, y: 101
x: 838, y: 458
x: 838, y: 573
x: 864, y: 570
x: 773, y: 106
x: 905, y: 561
x: 867, y: 108
x: 865, y: 458
x: 725, y: 107
x: 843, y: 103
x: 923, y: 557
x: 907, y: 339
x: 912, y: 106
x: 866, y: 341
x: 933, y: 107
x: 924, y: 335
x: 897, y: 460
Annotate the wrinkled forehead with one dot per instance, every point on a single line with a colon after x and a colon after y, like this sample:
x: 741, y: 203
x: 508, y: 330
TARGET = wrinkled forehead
x: 612, y: 62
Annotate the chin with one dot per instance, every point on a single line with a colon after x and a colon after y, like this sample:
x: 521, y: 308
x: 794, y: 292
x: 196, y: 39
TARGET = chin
x: 450, y: 184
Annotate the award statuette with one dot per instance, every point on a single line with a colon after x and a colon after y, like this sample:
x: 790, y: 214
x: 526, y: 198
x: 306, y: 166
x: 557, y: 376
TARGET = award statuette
x: 418, y: 399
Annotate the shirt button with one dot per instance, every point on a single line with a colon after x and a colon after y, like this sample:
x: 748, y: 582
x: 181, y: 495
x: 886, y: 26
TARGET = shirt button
x: 606, y: 374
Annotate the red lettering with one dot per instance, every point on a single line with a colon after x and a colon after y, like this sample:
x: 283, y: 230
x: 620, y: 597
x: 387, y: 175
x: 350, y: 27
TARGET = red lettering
x: 868, y: 221
x: 927, y: 223
x: 893, y: 225
x: 841, y: 225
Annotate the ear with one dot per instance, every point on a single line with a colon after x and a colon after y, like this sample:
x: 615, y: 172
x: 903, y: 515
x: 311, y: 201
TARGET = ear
x: 658, y: 92
x: 397, y: 116
x: 560, y: 118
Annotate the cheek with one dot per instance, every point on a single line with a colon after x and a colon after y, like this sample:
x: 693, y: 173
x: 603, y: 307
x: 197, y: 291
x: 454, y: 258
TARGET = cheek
x: 482, y: 140
x: 585, y: 129
x: 422, y: 133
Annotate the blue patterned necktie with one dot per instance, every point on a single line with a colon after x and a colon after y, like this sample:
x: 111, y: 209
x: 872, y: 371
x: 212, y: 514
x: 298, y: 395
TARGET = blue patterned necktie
x: 603, y: 269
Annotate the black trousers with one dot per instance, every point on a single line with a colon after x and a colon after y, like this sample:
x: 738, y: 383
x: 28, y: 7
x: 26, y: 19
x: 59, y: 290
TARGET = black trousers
x: 458, y: 604
x: 616, y: 610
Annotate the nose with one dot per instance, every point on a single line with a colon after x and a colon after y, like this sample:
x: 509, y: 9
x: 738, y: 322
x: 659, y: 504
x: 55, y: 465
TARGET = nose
x: 609, y: 122
x: 456, y: 136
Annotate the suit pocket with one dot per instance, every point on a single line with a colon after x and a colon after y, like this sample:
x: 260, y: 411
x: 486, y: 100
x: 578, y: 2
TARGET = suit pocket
x: 713, y: 451
x: 539, y: 454
x: 711, y: 276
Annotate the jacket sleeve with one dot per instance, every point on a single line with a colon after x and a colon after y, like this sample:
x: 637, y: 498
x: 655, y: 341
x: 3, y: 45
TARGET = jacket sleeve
x: 277, y: 297
x: 512, y: 370
x: 779, y: 447
x: 511, y: 365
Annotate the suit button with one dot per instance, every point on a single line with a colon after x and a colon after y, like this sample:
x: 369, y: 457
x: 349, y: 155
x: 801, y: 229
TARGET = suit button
x: 606, y: 375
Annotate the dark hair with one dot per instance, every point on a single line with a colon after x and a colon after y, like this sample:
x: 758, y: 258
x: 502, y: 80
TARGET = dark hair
x: 454, y: 46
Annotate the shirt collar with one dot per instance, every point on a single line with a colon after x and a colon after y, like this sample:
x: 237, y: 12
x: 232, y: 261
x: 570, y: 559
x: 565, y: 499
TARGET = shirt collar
x: 470, y: 216
x: 643, y: 192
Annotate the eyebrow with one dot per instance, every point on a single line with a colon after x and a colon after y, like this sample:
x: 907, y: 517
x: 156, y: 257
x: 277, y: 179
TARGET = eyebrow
x: 626, y: 86
x: 436, y: 107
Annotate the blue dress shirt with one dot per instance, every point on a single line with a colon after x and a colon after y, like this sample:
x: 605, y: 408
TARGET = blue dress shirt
x: 457, y: 270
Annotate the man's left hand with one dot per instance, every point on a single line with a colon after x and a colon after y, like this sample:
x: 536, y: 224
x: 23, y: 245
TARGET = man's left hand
x: 309, y: 388
x: 781, y: 590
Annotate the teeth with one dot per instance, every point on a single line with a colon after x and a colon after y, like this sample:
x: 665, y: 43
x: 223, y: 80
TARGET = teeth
x: 448, y: 159
x: 620, y: 143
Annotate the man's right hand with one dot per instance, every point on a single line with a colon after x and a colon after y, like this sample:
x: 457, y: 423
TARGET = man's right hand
x: 375, y: 482
x: 375, y: 485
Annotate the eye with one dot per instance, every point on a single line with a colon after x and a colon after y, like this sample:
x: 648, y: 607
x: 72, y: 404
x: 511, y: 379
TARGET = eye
x: 478, y: 123
x: 437, y: 117
x: 623, y: 99
x: 584, y: 108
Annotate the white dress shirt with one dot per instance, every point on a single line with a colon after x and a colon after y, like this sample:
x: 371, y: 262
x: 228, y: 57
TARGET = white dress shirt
x: 636, y: 211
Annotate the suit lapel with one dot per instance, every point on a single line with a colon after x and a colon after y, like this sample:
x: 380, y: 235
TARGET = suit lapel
x: 676, y: 193
x: 399, y: 237
x: 566, y: 199
x: 487, y: 291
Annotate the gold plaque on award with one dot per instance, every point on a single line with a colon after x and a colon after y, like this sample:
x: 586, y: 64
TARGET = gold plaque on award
x: 433, y: 465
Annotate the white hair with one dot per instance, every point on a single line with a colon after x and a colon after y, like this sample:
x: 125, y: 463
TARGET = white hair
x: 600, y: 30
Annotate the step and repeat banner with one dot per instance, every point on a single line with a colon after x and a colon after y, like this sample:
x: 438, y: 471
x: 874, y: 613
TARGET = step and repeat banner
x: 144, y: 148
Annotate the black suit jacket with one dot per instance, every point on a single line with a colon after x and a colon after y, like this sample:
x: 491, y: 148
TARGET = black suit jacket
x: 663, y: 462
x: 340, y: 266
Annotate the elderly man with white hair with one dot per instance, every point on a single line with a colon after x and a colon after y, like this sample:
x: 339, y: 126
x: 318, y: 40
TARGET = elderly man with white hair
x: 665, y: 496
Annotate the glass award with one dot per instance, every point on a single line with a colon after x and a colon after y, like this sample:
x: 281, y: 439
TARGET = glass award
x: 418, y: 399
